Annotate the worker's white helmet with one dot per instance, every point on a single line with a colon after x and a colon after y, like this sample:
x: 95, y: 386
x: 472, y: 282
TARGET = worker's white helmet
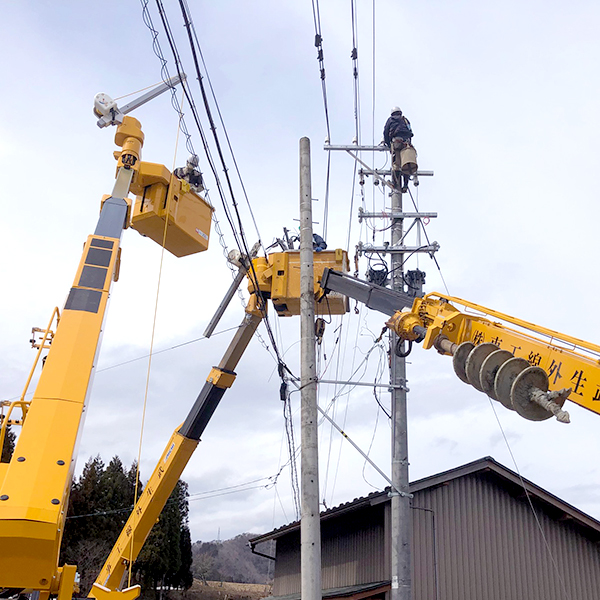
x: 396, y: 109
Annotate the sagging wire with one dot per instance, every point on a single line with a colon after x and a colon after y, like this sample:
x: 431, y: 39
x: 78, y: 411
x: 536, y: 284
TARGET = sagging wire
x: 166, y: 349
x: 285, y: 397
x: 187, y: 14
x: 535, y: 515
x: 232, y: 489
x: 429, y: 243
x: 319, y: 46
x: 354, y: 56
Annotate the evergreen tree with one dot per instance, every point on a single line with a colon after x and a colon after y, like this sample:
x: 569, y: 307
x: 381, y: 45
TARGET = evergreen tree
x: 165, y: 559
x: 83, y: 542
x: 9, y: 445
x: 101, y: 502
x: 118, y: 489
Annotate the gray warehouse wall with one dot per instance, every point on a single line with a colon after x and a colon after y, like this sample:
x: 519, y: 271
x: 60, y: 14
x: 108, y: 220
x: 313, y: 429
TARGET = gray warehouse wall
x: 474, y: 538
x: 489, y: 546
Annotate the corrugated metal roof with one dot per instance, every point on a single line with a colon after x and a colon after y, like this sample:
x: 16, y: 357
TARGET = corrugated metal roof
x: 505, y: 477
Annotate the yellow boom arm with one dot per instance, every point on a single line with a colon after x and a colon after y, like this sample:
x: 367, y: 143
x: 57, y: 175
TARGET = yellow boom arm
x: 528, y: 368
x: 175, y: 457
x: 520, y: 364
x: 34, y: 486
x: 35, y: 489
x: 276, y: 277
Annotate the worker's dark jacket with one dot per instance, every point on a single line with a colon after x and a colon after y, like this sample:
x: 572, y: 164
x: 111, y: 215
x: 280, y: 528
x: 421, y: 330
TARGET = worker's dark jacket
x: 397, y: 126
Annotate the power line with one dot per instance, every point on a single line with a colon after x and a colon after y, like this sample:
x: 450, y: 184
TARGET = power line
x: 214, y: 97
x: 233, y: 489
x: 320, y: 58
x: 354, y: 56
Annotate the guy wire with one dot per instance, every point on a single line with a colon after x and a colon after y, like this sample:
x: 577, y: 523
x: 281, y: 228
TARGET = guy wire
x: 162, y: 255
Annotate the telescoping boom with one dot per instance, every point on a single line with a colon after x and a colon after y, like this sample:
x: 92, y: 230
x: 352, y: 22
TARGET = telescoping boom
x: 527, y: 368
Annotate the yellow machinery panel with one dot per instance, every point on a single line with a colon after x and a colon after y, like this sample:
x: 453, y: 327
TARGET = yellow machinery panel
x: 163, y: 198
x: 285, y: 286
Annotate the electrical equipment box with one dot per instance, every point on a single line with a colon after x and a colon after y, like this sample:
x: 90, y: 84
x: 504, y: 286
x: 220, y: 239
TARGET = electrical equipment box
x: 163, y: 198
x: 285, y: 284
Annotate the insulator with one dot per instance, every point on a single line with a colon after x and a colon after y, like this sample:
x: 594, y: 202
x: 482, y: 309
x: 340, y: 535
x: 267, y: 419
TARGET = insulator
x: 474, y: 362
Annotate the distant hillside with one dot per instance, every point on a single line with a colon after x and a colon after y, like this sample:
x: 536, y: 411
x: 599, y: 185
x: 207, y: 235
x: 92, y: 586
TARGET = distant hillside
x: 218, y: 590
x: 231, y: 560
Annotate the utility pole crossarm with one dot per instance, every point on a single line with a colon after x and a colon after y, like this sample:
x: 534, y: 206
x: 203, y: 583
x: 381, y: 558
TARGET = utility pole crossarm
x: 355, y: 147
x: 399, y: 249
x: 362, y: 214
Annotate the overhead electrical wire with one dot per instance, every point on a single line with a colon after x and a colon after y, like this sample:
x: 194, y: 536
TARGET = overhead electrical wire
x: 147, y: 19
x: 238, y: 232
x: 321, y: 60
x: 354, y: 56
x: 553, y: 559
x: 429, y: 244
x: 187, y: 14
x: 232, y: 489
x: 192, y: 104
x: 238, y: 235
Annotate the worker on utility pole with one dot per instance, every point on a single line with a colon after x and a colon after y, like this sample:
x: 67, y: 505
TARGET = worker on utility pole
x: 397, y: 135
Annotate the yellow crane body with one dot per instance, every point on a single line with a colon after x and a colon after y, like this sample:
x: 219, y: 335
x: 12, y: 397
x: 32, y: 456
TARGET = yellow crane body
x: 109, y: 584
x: 35, y: 488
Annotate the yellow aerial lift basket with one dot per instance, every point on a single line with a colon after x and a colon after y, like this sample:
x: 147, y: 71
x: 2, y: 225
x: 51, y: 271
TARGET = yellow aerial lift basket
x: 162, y: 197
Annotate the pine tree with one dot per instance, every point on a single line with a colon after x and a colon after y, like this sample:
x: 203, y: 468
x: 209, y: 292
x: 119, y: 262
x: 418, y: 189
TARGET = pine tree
x: 165, y: 559
x: 83, y: 542
x: 101, y: 502
x: 9, y: 445
x: 118, y: 489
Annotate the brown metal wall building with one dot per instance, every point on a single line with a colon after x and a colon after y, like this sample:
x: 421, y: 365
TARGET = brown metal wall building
x: 475, y: 537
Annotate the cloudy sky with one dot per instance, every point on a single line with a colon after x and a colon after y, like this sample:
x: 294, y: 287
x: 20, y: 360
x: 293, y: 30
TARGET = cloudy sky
x: 503, y: 101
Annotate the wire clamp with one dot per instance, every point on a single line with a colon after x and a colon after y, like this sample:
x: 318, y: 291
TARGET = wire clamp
x: 395, y: 492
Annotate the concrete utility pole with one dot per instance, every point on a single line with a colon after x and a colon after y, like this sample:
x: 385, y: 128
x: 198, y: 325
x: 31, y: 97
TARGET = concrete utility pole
x: 310, y: 525
x: 400, y: 506
x: 400, y: 509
